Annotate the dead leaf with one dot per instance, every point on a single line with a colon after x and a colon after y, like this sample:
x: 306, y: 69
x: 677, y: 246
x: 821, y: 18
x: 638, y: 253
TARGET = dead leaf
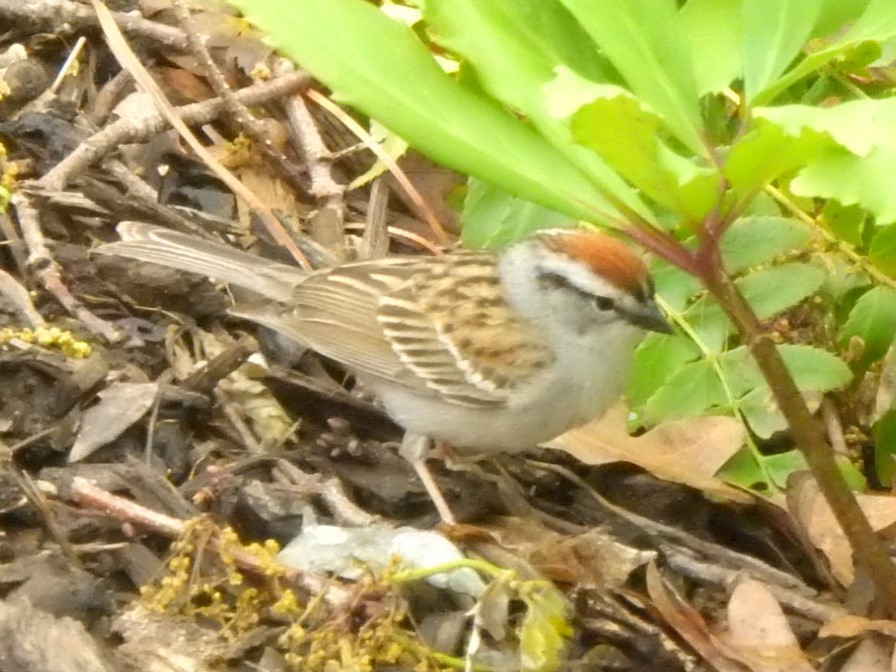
x: 759, y: 634
x: 688, y: 623
x: 687, y: 451
x: 853, y: 626
x: 120, y: 406
x: 594, y: 558
x: 811, y: 511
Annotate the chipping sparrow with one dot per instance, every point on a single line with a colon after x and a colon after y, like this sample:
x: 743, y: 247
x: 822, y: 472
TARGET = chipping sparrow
x: 493, y: 352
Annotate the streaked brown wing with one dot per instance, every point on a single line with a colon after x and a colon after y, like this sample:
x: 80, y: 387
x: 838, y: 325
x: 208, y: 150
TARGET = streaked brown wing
x: 335, y: 313
x: 450, y: 325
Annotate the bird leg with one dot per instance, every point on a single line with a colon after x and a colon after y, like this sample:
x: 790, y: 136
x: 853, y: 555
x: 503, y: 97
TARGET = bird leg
x: 415, y: 449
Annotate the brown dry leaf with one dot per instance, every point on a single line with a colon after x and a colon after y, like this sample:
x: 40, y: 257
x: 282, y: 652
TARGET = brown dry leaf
x: 811, y: 511
x: 593, y: 558
x: 759, y: 634
x: 852, y: 626
x: 688, y: 623
x: 687, y: 451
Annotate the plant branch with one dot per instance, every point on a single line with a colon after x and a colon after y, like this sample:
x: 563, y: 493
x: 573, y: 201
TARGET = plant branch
x: 869, y: 552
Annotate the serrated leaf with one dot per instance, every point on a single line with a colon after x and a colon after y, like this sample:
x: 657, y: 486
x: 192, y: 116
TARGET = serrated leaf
x: 493, y: 218
x: 873, y: 319
x: 812, y: 369
x: 858, y: 168
x: 712, y: 27
x: 696, y: 387
x: 771, y: 290
x: 627, y: 135
x: 774, y: 33
x: 341, y: 43
x: 642, y: 40
x: 767, y: 152
x: 656, y: 360
x: 768, y: 291
x: 692, y: 390
x: 752, y: 241
x: 674, y: 286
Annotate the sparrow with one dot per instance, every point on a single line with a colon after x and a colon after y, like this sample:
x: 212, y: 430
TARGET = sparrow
x: 484, y: 351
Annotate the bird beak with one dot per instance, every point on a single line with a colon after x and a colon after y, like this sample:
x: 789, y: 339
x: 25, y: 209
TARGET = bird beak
x: 649, y: 317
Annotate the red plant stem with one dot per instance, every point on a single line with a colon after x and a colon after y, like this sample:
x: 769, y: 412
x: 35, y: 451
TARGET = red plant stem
x: 869, y: 552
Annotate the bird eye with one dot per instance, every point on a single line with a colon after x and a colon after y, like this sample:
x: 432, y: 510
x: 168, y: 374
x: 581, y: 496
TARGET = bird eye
x: 603, y: 303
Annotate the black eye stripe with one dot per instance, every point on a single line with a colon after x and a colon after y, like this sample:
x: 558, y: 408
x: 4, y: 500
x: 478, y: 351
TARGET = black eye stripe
x: 557, y: 281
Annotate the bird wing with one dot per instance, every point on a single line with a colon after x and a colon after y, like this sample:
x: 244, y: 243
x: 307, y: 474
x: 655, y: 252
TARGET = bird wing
x: 437, y: 325
x: 451, y: 326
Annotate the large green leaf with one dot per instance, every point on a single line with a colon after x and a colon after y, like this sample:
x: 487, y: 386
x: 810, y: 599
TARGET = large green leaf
x: 515, y: 47
x: 627, y: 135
x: 858, y: 168
x: 715, y: 31
x: 379, y: 66
x: 774, y: 34
x: 644, y: 42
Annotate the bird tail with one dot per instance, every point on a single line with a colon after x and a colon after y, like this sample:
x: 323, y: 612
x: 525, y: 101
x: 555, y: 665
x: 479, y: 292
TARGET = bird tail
x: 158, y: 245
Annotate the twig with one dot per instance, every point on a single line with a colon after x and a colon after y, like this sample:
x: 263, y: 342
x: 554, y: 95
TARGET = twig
x: 46, y: 270
x: 250, y: 126
x: 869, y: 551
x: 124, y: 131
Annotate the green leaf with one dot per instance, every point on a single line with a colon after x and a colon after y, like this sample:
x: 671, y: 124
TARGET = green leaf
x: 696, y: 388
x: 858, y: 168
x: 656, y: 360
x: 771, y: 290
x: 712, y: 27
x: 883, y: 250
x: 675, y: 287
x: 493, y: 218
x: 884, y: 432
x: 693, y: 389
x: 768, y: 291
x: 812, y: 369
x: 845, y: 222
x: 341, y: 43
x: 644, y: 42
x: 543, y: 629
x: 782, y: 465
x: 751, y: 241
x: 774, y: 33
x: 837, y: 13
x: 767, y: 152
x: 873, y: 319
x: 515, y: 47
x: 877, y: 23
x: 626, y: 134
